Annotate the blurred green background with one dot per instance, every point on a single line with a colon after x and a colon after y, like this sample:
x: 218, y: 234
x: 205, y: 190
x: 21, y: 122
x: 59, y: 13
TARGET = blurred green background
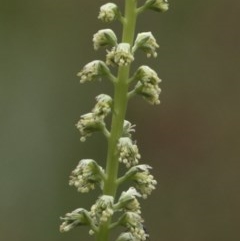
x: 191, y: 139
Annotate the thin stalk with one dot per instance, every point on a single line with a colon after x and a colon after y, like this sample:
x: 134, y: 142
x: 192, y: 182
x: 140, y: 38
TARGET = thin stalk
x: 119, y: 112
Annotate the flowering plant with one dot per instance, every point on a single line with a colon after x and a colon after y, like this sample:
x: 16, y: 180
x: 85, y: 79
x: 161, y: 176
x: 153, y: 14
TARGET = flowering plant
x: 122, y: 149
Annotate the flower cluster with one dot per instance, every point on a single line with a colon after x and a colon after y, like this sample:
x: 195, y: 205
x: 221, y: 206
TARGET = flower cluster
x: 134, y: 223
x: 73, y: 219
x: 128, y: 201
x: 104, y: 37
x: 102, y: 210
x: 108, y: 12
x: 93, y: 70
x: 158, y: 5
x: 147, y: 85
x: 145, y: 182
x: 86, y: 175
x: 103, y: 106
x: 120, y: 55
x: 94, y: 121
x: 147, y: 43
x: 128, y: 152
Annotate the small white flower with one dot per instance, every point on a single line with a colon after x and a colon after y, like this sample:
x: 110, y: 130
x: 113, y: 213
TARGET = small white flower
x: 103, y: 106
x: 108, y: 12
x: 93, y: 70
x: 147, y: 85
x: 120, y: 55
x: 128, y: 152
x: 86, y: 175
x: 104, y: 37
x: 73, y: 219
x: 102, y: 210
x: 159, y: 5
x: 146, y: 42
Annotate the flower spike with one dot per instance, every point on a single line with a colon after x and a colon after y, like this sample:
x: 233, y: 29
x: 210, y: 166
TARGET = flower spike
x: 112, y: 210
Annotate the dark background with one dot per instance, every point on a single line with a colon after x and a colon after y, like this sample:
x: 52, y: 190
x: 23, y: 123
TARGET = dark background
x: 191, y: 139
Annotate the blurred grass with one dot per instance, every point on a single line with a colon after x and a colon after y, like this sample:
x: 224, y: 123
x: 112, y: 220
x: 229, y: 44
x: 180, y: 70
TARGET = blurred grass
x: 191, y: 139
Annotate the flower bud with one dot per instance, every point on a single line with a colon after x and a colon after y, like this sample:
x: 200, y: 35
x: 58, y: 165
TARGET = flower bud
x: 88, y: 124
x: 128, y: 201
x: 86, y: 175
x: 133, y: 222
x: 147, y: 43
x: 120, y: 55
x: 108, y: 12
x: 103, y: 106
x: 102, y: 210
x: 73, y: 219
x: 93, y: 70
x: 104, y: 37
x: 128, y: 152
x: 147, y: 85
x: 159, y: 5
x: 126, y: 237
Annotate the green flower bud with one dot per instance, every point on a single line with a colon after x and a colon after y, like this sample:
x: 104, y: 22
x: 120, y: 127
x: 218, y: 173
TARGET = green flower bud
x: 93, y: 70
x: 103, y: 106
x: 73, y: 219
x: 104, y: 37
x: 120, y: 55
x: 128, y: 201
x: 86, y: 175
x: 108, y: 12
x: 133, y: 222
x: 159, y: 5
x: 147, y: 85
x: 102, y: 210
x: 126, y: 237
x: 128, y: 152
x: 88, y: 124
x: 147, y: 43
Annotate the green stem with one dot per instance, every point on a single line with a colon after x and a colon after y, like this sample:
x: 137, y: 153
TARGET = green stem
x: 119, y: 112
